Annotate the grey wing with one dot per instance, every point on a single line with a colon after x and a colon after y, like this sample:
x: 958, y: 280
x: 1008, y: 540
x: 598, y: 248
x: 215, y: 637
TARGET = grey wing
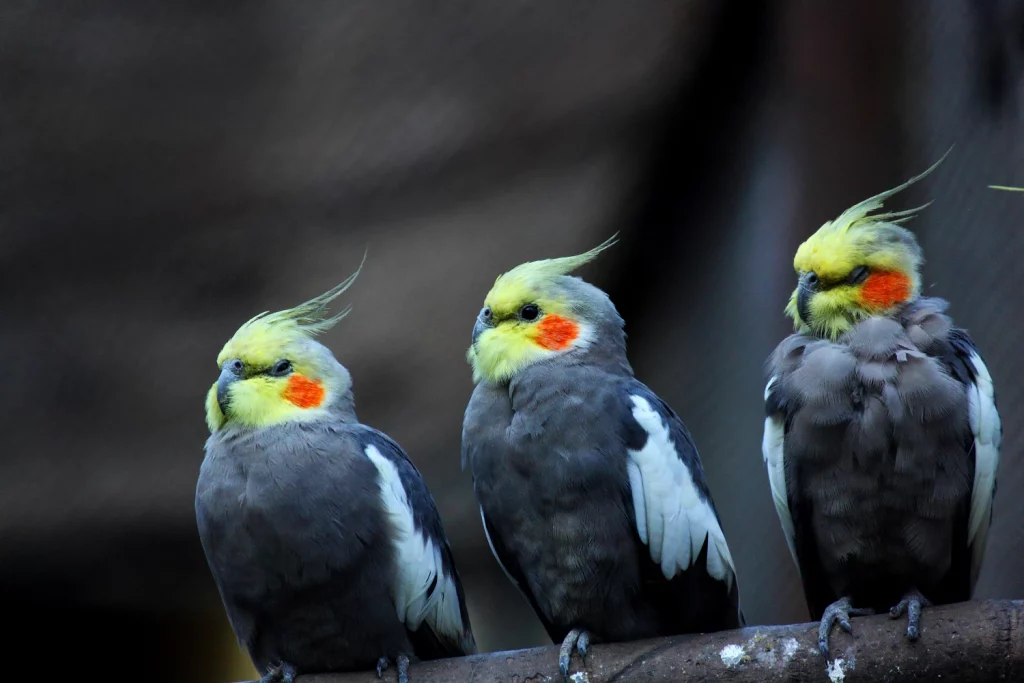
x: 793, y: 504
x: 427, y: 589
x: 673, y: 508
x: 773, y: 454
x: 965, y: 363
x: 514, y: 572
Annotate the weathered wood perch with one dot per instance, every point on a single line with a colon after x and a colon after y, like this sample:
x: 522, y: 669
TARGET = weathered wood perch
x: 971, y: 642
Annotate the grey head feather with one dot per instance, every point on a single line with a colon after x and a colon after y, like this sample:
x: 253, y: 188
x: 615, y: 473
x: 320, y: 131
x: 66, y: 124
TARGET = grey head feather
x: 335, y: 375
x: 592, y: 306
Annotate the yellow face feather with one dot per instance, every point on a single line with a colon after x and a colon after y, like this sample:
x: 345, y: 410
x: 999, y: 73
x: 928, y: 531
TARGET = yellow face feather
x: 512, y: 340
x: 859, y: 265
x: 267, y: 345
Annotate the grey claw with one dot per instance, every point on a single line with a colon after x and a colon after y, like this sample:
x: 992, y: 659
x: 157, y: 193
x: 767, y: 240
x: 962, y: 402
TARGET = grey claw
x: 382, y: 664
x: 583, y: 644
x: 565, y: 652
x: 839, y: 612
x: 281, y: 672
x: 910, y: 605
x: 403, y: 668
x: 563, y: 665
x: 914, y: 620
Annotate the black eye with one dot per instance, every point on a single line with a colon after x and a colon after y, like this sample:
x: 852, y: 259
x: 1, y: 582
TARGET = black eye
x: 811, y: 278
x: 486, y: 314
x: 236, y: 366
x: 282, y: 368
x: 858, y: 275
x: 529, y: 312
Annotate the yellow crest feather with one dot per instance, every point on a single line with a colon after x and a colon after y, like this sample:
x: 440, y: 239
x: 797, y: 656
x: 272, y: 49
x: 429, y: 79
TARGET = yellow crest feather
x: 1006, y: 187
x: 860, y: 214
x: 267, y: 331
x: 310, y: 317
x: 553, y: 267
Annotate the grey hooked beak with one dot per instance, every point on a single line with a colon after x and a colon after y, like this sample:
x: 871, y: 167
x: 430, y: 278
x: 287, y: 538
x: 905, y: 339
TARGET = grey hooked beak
x: 229, y: 374
x: 484, y: 321
x: 478, y: 329
x: 807, y: 288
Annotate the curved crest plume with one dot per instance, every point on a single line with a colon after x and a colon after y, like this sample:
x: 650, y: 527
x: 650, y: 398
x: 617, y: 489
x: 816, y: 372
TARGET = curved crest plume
x: 548, y: 268
x: 310, y: 317
x: 859, y: 214
x: 1007, y: 187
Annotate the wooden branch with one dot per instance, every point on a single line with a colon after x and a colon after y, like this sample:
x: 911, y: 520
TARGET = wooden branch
x: 971, y: 642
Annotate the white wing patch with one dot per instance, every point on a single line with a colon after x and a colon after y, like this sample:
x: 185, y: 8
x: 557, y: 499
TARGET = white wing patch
x: 772, y: 452
x: 418, y: 561
x: 671, y: 518
x: 987, y: 429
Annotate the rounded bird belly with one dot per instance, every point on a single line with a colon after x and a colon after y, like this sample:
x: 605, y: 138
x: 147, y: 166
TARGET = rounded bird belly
x: 577, y: 557
x: 346, y: 624
x: 883, y: 531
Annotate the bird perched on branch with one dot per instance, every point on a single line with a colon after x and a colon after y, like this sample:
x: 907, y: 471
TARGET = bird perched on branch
x: 322, y: 538
x: 591, y: 491
x: 882, y: 436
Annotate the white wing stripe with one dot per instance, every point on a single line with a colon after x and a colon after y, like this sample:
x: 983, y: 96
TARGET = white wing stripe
x: 636, y: 485
x: 666, y: 501
x: 773, y: 453
x: 490, y: 544
x: 987, y: 429
x: 418, y: 561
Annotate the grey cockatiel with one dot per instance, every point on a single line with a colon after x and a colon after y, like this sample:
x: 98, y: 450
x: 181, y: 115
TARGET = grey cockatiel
x: 324, y: 542
x: 591, y: 491
x: 882, y: 436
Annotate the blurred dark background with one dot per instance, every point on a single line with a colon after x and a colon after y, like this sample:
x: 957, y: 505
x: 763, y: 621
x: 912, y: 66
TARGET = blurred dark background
x: 169, y: 169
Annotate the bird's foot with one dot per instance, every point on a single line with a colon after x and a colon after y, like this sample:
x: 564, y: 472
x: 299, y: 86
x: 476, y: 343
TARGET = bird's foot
x: 401, y: 663
x: 579, y: 639
x: 911, y: 604
x: 281, y: 673
x: 839, y: 611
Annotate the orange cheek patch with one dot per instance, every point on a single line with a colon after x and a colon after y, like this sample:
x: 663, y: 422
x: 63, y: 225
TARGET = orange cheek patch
x: 304, y: 392
x: 555, y: 333
x: 885, y: 289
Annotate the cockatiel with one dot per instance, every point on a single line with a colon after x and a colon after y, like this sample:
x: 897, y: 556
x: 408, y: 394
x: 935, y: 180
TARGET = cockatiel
x: 591, y: 491
x: 322, y: 538
x: 882, y: 436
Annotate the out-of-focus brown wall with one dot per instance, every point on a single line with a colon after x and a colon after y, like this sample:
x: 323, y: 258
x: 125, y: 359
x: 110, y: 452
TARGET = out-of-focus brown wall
x: 168, y: 171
